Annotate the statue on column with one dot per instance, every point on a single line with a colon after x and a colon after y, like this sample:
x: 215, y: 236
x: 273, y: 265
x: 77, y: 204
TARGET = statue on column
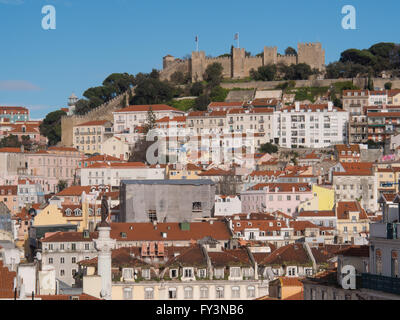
x: 104, y: 212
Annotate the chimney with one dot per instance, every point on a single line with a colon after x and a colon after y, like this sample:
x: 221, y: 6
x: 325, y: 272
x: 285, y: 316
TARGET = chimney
x: 297, y: 106
x: 330, y: 105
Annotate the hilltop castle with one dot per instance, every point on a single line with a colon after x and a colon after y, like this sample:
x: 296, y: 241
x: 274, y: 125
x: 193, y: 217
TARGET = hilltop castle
x: 237, y: 65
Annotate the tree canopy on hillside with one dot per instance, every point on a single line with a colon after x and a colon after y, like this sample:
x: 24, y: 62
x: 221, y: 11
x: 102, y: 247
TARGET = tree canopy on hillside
x: 51, y: 127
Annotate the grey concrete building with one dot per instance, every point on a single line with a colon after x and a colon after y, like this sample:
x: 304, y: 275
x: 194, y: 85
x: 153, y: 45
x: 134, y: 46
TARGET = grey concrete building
x: 166, y: 200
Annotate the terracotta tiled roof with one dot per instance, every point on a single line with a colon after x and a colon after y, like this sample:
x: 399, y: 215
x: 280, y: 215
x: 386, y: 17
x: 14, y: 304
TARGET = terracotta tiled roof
x: 302, y: 225
x: 225, y: 104
x: 292, y: 253
x: 283, y: 187
x: 6, y: 282
x: 148, y: 232
x: 317, y: 214
x: 146, y: 108
x: 354, y: 148
x: 70, y: 237
x: 290, y: 282
x: 355, y: 169
x: 74, y: 191
x: 355, y: 251
x: 189, y: 257
x: 117, y: 165
x: 174, y: 119
x: 215, y: 172
x: 344, y: 207
x: 238, y: 256
x: 103, y: 157
x: 11, y: 150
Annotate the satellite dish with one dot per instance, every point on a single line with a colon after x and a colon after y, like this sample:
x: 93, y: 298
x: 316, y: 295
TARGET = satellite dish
x: 38, y: 256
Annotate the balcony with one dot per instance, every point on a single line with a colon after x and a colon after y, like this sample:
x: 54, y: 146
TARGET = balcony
x: 385, y: 230
x: 380, y: 283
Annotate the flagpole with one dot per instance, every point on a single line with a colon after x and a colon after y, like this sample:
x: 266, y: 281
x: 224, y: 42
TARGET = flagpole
x: 238, y: 41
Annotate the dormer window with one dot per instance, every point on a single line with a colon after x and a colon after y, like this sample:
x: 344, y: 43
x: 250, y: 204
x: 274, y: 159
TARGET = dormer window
x: 127, y: 273
x: 202, y: 273
x: 77, y: 212
x: 146, y: 274
x: 90, y: 212
x: 173, y: 273
x: 68, y: 212
x: 234, y: 272
x: 188, y: 272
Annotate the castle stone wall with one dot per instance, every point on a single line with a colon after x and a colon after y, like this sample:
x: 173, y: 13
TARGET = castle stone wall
x: 238, y: 65
x: 103, y: 112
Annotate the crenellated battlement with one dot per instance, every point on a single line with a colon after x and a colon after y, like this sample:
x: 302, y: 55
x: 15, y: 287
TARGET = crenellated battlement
x: 239, y: 66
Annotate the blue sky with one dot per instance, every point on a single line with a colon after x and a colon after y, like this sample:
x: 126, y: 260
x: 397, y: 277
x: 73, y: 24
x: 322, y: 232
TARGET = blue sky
x: 40, y: 69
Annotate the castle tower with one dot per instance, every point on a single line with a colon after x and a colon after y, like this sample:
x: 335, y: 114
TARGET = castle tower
x: 238, y: 63
x: 311, y: 54
x: 270, y: 55
x: 198, y: 65
x: 104, y: 244
x: 72, y: 100
x: 168, y: 60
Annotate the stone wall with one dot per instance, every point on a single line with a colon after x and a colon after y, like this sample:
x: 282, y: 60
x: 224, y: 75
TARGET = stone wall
x: 103, y: 112
x: 239, y: 66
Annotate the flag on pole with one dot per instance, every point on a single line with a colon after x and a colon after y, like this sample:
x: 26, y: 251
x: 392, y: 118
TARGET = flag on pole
x: 196, y: 39
x: 236, y: 36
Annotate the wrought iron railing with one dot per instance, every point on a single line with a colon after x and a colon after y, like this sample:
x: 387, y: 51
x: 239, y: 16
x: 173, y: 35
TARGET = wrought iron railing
x: 380, y: 283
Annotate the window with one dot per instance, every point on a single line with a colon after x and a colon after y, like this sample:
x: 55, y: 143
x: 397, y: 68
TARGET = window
x: 173, y: 273
x: 73, y: 246
x: 87, y: 246
x: 202, y: 273
x: 235, y: 272
x: 62, y: 246
x: 127, y: 273
x: 291, y: 271
x: 219, y: 292
x: 172, y: 293
x: 146, y: 273
x: 251, y: 292
x: 187, y: 272
x: 188, y: 293
x: 149, y: 293
x: 73, y: 260
x: 62, y: 260
x: 204, y: 293
x: 50, y: 260
x: 235, y: 292
x: 152, y: 214
x: 196, y: 206
x: 219, y: 273
x: 128, y: 294
x: 62, y: 273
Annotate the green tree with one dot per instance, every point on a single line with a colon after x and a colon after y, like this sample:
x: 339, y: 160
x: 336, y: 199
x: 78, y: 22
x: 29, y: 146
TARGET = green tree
x: 202, y: 102
x: 153, y: 91
x: 370, y: 85
x: 388, y: 86
x: 150, y: 121
x: 264, y: 73
x: 268, y: 148
x: 178, y: 77
x: 62, y: 184
x: 290, y: 51
x: 197, y: 89
x: 51, y: 126
x: 10, y: 141
x: 218, y: 94
x: 213, y: 74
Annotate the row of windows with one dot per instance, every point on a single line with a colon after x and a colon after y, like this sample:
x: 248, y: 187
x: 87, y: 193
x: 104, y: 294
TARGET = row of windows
x: 62, y: 260
x: 204, y: 292
x: 62, y: 246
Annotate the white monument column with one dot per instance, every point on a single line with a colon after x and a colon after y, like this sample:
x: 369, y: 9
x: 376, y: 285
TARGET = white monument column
x: 104, y: 244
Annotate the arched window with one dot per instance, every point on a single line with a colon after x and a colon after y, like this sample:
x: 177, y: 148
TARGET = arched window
x: 251, y: 292
x: 77, y: 212
x: 90, y: 212
x: 188, y: 291
x: 204, y: 293
x: 235, y: 292
x: 219, y: 292
x: 68, y: 212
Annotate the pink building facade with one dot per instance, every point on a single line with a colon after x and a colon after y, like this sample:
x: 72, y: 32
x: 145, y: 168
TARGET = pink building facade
x: 270, y: 197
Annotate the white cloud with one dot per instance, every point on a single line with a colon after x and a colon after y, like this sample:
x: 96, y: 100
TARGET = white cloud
x: 17, y: 85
